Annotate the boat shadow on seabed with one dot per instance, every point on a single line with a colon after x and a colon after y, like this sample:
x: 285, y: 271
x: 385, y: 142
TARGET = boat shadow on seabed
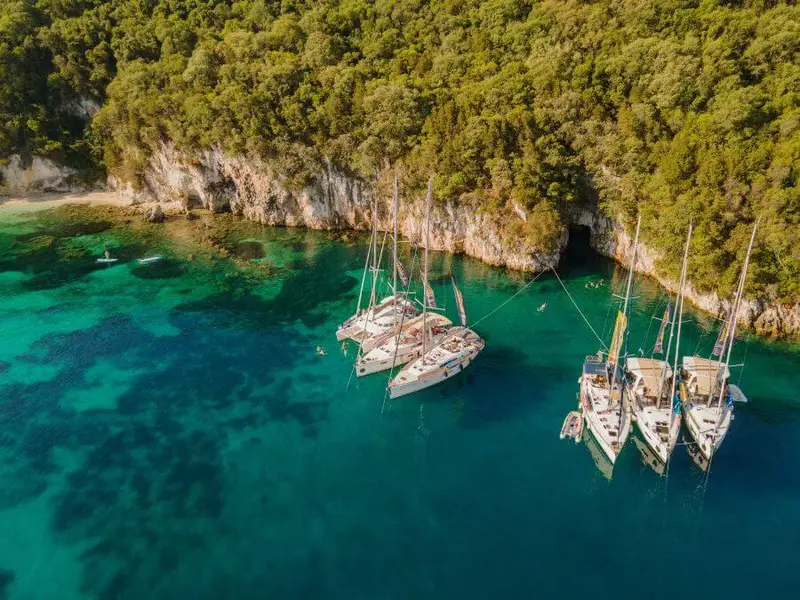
x: 602, y: 462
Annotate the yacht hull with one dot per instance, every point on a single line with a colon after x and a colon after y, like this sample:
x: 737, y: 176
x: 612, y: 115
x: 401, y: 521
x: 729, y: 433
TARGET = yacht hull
x: 598, y: 429
x: 376, y: 366
x: 433, y: 378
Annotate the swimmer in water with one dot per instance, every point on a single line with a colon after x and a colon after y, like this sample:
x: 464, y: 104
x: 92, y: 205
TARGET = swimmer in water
x: 542, y: 307
x: 344, y: 348
x: 321, y: 351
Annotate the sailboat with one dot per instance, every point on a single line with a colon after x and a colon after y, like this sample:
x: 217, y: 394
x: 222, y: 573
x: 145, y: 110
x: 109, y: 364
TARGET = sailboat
x: 706, y: 395
x: 602, y: 383
x: 650, y: 382
x: 383, y: 316
x: 449, y: 356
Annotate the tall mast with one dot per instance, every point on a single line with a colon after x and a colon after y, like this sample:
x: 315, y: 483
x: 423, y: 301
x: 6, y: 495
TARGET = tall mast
x: 679, y: 317
x: 633, y: 268
x: 625, y: 307
x: 737, y: 303
x: 425, y: 272
x: 394, y: 253
x: 374, y: 253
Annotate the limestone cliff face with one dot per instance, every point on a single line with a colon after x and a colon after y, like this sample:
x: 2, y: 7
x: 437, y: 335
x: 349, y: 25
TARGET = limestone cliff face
x: 330, y: 201
x: 21, y: 178
x: 767, y: 318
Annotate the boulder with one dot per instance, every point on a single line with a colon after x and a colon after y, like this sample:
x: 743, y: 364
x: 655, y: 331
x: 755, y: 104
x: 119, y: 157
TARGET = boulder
x: 156, y: 215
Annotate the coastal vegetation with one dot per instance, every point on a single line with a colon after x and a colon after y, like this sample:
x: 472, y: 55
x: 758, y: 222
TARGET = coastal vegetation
x: 676, y: 109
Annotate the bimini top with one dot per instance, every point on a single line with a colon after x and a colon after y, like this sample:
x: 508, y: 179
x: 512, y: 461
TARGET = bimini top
x: 704, y: 372
x: 596, y: 368
x: 650, y: 370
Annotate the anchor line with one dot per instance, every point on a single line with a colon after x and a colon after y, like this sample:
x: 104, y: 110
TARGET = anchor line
x: 575, y: 304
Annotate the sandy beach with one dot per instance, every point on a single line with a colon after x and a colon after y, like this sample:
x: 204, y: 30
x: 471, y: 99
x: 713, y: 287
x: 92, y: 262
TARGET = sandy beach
x: 43, y: 201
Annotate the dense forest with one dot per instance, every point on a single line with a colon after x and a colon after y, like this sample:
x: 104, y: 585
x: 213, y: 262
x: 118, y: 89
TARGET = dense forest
x: 671, y: 108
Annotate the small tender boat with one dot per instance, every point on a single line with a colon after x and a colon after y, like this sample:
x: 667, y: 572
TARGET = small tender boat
x: 107, y: 260
x: 150, y: 259
x: 573, y: 426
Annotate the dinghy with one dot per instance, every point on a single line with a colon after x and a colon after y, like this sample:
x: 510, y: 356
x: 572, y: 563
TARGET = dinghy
x: 573, y: 426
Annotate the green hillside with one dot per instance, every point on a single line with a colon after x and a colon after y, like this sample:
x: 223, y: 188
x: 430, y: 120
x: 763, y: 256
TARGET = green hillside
x: 674, y: 108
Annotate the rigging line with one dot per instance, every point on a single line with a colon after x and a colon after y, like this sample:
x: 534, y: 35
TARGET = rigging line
x: 575, y: 304
x: 518, y: 292
x: 414, y: 260
x: 744, y: 360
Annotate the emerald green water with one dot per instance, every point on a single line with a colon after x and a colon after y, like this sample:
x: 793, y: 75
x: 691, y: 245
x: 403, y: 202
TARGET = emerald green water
x: 168, y: 431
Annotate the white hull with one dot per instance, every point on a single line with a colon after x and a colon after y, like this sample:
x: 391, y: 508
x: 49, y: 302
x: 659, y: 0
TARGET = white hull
x: 608, y: 422
x: 376, y: 321
x: 708, y: 426
x: 458, y: 349
x: 652, y: 424
x: 369, y: 367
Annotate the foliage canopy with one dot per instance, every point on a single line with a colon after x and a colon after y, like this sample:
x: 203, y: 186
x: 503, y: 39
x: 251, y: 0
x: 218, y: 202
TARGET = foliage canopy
x: 677, y: 109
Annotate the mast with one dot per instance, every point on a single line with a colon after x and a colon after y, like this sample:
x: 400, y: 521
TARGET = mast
x: 374, y: 253
x: 394, y: 249
x: 425, y: 272
x: 737, y: 303
x: 679, y: 316
x: 364, y: 275
x: 625, y: 308
x: 632, y: 269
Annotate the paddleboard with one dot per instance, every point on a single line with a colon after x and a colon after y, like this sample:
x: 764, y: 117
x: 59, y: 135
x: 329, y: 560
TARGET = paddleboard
x: 149, y: 259
x: 107, y: 260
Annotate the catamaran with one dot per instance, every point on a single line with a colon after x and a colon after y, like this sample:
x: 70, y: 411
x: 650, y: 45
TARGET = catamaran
x: 457, y: 348
x: 602, y: 383
x: 706, y: 395
x: 383, y: 316
x: 650, y: 382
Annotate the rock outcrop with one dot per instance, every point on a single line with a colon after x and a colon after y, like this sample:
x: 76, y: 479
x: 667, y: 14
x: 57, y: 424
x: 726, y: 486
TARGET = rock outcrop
x: 21, y: 178
x: 609, y: 238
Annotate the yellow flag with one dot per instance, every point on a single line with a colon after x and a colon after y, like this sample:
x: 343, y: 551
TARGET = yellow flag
x: 619, y: 335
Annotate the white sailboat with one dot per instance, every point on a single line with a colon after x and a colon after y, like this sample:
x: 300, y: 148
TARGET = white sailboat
x: 393, y: 348
x: 452, y: 354
x: 706, y: 395
x: 602, y: 383
x: 383, y: 316
x: 650, y: 382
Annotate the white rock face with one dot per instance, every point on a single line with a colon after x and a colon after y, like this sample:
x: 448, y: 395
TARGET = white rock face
x: 330, y: 201
x: 41, y: 175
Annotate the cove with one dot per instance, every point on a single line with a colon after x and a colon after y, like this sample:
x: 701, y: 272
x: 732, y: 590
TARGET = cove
x: 168, y: 431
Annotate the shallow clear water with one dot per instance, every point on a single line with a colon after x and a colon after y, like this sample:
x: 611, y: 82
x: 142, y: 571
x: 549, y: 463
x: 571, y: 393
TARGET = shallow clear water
x: 169, y: 432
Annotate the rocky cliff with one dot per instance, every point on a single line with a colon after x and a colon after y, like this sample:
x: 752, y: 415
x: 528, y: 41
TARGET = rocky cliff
x: 21, y: 178
x: 332, y: 200
x: 609, y: 238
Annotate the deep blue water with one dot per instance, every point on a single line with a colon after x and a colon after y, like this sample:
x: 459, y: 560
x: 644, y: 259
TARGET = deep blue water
x: 170, y: 432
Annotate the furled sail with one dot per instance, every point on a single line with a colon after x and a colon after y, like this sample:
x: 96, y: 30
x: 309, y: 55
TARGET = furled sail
x: 659, y: 347
x: 402, y: 274
x: 429, y: 297
x: 462, y: 312
x: 722, y: 339
x: 619, y: 336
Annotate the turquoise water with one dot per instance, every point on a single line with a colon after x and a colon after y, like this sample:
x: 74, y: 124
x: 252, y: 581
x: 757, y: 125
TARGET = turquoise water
x: 170, y: 432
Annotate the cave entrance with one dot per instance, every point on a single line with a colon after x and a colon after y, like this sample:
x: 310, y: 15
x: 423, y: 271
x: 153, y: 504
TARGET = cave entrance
x: 579, y: 258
